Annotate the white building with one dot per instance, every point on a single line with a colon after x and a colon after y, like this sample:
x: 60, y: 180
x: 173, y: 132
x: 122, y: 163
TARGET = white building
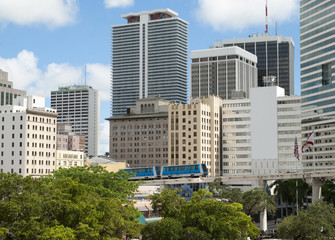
x: 225, y: 72
x: 258, y: 134
x: 149, y: 57
x: 80, y: 107
x: 28, y: 137
x: 67, y: 159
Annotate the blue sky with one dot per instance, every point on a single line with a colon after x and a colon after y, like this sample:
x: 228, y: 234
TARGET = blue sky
x: 47, y: 43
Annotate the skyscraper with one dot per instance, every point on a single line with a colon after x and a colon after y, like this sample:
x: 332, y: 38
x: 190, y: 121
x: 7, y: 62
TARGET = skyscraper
x: 225, y: 72
x: 149, y: 57
x: 317, y: 59
x: 275, y: 55
x: 80, y: 107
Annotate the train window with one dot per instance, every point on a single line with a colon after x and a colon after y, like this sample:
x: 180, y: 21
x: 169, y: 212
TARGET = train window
x: 192, y: 167
x: 187, y: 167
x: 170, y: 169
x: 196, y: 167
x: 150, y: 170
x: 175, y: 168
x: 181, y: 168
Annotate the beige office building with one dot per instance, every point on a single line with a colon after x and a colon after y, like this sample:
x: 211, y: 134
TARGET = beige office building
x: 194, y: 131
x: 68, y: 159
x: 141, y: 136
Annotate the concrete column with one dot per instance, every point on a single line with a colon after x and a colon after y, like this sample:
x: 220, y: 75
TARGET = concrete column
x: 263, y: 215
x: 161, y: 187
x: 263, y: 220
x: 316, y: 189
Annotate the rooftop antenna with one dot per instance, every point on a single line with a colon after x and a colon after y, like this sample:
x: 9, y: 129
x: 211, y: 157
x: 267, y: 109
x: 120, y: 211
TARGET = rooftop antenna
x: 266, y: 18
x: 85, y: 74
x: 276, y: 29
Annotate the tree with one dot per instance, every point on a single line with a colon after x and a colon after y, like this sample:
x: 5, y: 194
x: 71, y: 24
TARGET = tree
x: 168, y: 203
x: 328, y: 192
x: 66, y: 206
x: 224, y: 192
x: 201, y: 218
x: 256, y: 201
x: 316, y: 223
x: 286, y: 192
x: 107, y: 184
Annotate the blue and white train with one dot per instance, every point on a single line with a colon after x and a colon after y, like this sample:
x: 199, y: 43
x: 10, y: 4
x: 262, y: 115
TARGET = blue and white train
x: 177, y: 171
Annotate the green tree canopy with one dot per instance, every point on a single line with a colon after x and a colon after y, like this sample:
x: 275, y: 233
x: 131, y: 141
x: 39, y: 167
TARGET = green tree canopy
x: 256, y: 201
x: 224, y: 192
x: 318, y: 222
x: 199, y: 219
x: 67, y: 206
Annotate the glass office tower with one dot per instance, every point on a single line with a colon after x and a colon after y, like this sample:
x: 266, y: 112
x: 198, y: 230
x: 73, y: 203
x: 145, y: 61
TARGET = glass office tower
x: 317, y: 52
x: 149, y: 57
x: 275, y: 57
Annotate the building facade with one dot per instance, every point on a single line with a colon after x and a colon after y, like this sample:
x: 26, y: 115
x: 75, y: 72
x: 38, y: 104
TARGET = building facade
x: 317, y: 57
x: 141, y: 136
x: 258, y: 134
x: 28, y: 137
x: 149, y: 57
x: 275, y: 55
x: 7, y: 92
x: 194, y: 133
x: 225, y: 72
x: 79, y: 106
x: 68, y: 140
x: 68, y: 159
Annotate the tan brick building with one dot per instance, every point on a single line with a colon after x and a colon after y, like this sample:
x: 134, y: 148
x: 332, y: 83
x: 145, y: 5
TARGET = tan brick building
x: 194, y: 132
x: 141, y: 136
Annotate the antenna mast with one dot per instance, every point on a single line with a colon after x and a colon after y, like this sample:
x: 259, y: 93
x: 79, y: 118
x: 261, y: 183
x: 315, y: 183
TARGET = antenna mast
x: 85, y: 74
x: 266, y: 18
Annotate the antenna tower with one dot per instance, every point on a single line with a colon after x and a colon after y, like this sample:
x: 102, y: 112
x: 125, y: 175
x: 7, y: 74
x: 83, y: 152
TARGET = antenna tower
x: 266, y: 18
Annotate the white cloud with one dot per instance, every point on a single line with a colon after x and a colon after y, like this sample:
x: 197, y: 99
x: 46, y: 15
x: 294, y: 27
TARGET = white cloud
x: 118, y: 3
x: 104, y: 137
x: 98, y: 75
x: 25, y: 74
x: 241, y: 14
x: 53, y: 13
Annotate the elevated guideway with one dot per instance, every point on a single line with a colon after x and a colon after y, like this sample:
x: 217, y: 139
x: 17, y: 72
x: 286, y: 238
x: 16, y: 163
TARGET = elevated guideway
x: 315, y: 179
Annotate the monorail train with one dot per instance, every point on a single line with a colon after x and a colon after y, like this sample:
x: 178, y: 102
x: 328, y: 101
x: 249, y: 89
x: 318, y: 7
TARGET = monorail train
x: 177, y: 171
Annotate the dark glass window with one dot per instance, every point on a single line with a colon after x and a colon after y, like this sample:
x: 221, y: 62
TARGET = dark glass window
x: 326, y: 73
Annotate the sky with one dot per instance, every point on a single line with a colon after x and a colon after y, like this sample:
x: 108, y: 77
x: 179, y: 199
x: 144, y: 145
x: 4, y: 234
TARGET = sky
x: 45, y: 44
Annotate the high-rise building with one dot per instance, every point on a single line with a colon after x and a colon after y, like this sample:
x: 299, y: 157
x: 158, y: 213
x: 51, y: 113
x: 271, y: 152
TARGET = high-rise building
x: 317, y: 59
x: 28, y: 137
x: 225, y: 72
x: 194, y: 133
x: 7, y: 92
x: 80, y: 107
x: 275, y: 55
x: 141, y: 136
x: 149, y: 57
x: 258, y: 134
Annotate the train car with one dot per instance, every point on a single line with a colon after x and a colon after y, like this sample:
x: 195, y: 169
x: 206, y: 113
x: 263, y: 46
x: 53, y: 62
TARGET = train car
x: 143, y: 173
x: 193, y: 170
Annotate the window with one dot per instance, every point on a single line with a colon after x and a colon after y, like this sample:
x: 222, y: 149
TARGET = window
x: 326, y: 73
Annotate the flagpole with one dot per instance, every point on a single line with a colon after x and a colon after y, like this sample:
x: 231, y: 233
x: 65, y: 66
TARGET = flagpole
x: 314, y: 157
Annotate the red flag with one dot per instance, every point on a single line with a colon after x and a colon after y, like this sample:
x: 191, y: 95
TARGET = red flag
x: 309, y: 142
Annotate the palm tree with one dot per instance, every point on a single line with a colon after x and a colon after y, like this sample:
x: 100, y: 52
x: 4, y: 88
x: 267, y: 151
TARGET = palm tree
x: 286, y: 192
